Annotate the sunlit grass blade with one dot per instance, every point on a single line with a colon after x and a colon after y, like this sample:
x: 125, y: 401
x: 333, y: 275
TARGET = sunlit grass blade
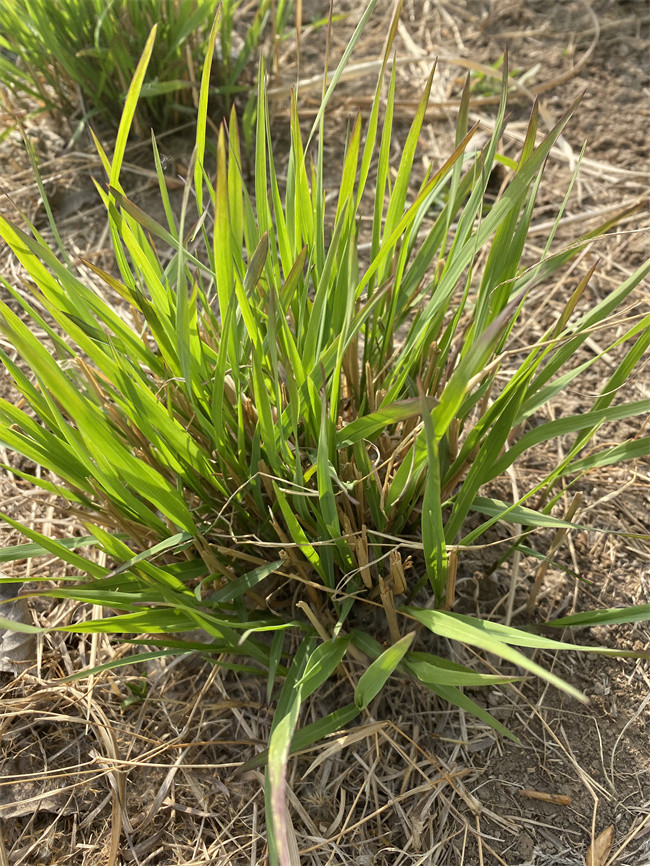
x: 457, y: 698
x: 431, y: 669
x: 473, y: 633
x: 373, y: 679
x: 342, y: 64
x: 284, y: 724
x: 130, y: 104
x: 203, y: 111
x: 608, y: 616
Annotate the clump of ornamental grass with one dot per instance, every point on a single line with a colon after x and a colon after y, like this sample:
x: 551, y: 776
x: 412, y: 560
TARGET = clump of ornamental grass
x: 78, y: 57
x: 289, y: 415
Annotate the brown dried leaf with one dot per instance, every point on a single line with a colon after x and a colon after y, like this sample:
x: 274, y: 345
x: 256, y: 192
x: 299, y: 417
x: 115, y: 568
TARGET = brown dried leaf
x: 598, y: 851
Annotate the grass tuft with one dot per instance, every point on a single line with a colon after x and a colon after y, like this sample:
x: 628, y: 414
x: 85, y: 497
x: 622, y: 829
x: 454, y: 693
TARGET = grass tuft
x: 295, y: 435
x: 78, y: 57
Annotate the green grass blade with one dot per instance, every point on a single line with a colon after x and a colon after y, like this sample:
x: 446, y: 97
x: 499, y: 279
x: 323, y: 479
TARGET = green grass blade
x: 609, y: 616
x: 130, y: 104
x: 202, y: 114
x: 472, y: 632
x: 373, y: 679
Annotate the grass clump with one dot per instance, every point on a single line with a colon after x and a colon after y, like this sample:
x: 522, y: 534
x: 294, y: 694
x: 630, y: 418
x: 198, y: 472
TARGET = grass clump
x: 287, y: 413
x: 78, y: 57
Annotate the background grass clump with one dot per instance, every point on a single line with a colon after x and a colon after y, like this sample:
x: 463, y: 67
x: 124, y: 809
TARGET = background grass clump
x: 288, y: 437
x: 78, y: 57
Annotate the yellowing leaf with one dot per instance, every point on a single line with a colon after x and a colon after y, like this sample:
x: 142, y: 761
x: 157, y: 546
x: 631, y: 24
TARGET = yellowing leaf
x: 598, y: 851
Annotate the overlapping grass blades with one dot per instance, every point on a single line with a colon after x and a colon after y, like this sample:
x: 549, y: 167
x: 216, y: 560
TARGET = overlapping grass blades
x: 79, y: 56
x: 276, y: 414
